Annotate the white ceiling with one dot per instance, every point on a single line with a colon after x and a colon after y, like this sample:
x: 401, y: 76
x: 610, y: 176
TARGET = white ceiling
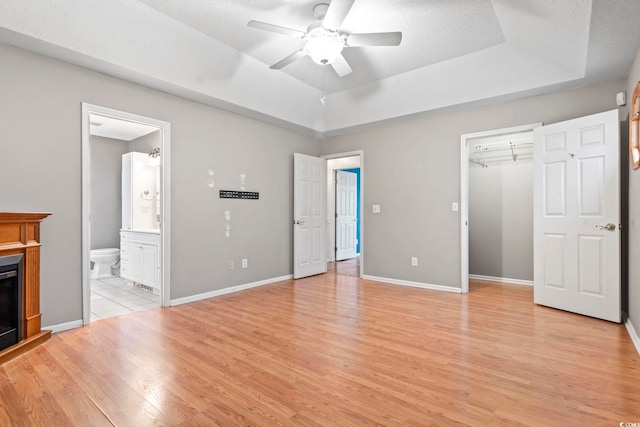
x: 124, y: 130
x: 453, y: 52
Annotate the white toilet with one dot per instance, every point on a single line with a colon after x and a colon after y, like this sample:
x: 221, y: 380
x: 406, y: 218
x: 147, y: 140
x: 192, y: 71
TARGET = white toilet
x: 103, y: 260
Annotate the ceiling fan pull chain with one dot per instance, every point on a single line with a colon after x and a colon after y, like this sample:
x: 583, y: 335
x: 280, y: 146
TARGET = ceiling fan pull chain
x: 323, y: 98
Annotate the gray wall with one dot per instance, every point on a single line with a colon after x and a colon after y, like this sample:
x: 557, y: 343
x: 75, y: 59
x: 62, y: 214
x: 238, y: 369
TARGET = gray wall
x: 501, y: 220
x: 41, y: 153
x: 634, y: 217
x: 146, y: 143
x: 106, y: 191
x: 412, y: 169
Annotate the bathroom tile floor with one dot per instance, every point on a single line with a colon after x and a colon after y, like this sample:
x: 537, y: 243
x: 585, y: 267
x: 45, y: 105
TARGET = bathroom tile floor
x: 113, y: 297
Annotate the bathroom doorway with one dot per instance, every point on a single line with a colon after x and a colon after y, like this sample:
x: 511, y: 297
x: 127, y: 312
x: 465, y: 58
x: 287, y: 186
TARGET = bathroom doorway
x: 125, y: 187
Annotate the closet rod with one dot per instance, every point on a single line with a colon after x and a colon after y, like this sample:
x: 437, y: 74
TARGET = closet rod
x: 506, y: 147
x: 486, y: 161
x: 484, y: 165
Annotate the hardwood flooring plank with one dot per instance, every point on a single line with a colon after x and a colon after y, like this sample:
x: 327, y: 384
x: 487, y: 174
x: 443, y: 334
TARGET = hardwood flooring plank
x: 332, y: 350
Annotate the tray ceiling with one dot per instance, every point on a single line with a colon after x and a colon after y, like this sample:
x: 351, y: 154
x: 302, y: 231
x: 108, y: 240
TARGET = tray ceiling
x: 453, y: 52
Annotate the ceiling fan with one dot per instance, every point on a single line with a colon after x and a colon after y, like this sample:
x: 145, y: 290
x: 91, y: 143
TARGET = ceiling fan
x: 325, y: 41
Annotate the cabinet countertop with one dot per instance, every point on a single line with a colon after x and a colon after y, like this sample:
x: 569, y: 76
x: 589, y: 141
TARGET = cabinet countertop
x: 142, y: 231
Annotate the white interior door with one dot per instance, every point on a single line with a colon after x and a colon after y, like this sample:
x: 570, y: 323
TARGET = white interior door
x: 346, y: 219
x: 577, y: 216
x: 309, y: 215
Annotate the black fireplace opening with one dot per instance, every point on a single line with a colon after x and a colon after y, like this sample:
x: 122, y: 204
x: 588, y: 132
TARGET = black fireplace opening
x: 10, y: 300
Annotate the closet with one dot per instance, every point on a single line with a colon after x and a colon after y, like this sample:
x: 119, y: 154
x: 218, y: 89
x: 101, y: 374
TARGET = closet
x: 501, y: 208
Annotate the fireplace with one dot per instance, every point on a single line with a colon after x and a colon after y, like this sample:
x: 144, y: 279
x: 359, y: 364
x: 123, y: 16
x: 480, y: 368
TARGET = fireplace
x: 20, y: 317
x: 10, y: 300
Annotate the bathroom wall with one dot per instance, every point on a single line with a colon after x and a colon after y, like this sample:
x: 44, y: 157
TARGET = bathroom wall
x: 145, y: 143
x: 106, y: 183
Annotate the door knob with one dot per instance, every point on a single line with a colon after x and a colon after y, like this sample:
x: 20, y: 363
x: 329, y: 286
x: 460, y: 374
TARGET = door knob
x: 609, y: 227
x: 298, y: 222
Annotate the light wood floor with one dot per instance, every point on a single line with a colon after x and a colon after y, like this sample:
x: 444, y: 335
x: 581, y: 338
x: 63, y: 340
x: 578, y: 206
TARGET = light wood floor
x: 348, y: 267
x: 332, y: 350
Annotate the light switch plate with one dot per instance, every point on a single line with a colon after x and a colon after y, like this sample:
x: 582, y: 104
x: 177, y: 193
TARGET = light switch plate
x: 376, y: 208
x: 454, y: 207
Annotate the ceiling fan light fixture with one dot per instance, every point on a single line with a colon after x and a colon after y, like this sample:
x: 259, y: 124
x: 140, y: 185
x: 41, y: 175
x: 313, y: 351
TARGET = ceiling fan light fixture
x: 324, y: 46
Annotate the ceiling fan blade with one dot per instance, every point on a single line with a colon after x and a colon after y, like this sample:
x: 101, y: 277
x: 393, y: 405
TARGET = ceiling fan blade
x: 341, y: 66
x: 276, y: 29
x: 337, y: 12
x: 374, y: 39
x: 288, y: 60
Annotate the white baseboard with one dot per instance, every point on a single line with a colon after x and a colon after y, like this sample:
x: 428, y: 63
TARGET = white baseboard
x: 64, y: 326
x: 229, y: 290
x: 632, y: 332
x: 501, y: 280
x: 413, y: 284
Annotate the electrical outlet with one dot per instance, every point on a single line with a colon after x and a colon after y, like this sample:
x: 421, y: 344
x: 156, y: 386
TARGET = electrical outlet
x: 245, y: 263
x: 414, y: 261
x: 230, y: 264
x: 375, y: 208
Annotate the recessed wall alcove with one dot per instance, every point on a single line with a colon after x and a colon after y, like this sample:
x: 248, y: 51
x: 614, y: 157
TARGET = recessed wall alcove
x: 20, y: 235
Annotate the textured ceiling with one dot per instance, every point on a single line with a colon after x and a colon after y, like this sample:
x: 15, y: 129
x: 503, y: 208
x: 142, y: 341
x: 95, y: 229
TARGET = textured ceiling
x: 433, y: 31
x: 453, y: 52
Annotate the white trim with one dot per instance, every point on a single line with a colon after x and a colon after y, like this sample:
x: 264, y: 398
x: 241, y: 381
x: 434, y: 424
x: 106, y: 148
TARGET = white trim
x: 229, y: 290
x: 165, y: 225
x: 61, y: 327
x: 413, y: 284
x: 361, y: 196
x: 501, y: 280
x: 632, y: 332
x: 464, y: 215
x: 464, y: 193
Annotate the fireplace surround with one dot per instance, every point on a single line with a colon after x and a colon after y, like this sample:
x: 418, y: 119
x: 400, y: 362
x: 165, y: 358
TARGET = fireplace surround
x: 20, y: 265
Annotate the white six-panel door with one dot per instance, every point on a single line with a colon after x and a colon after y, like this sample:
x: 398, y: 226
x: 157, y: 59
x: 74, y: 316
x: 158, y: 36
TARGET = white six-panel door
x: 576, y: 216
x: 309, y: 215
x: 346, y: 218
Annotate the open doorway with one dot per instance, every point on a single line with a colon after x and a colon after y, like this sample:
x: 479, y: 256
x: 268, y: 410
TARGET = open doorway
x: 497, y: 206
x: 344, y: 213
x: 125, y: 171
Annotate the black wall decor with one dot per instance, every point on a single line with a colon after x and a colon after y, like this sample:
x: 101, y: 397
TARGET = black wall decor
x: 232, y: 194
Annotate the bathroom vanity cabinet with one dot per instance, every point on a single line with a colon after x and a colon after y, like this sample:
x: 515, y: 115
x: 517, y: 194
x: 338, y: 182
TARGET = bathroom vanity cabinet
x: 140, y: 258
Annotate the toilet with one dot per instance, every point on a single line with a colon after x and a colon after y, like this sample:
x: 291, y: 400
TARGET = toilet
x: 103, y: 260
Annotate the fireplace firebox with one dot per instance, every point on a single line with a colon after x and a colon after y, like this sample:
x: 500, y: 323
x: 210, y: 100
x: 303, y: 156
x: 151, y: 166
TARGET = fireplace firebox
x: 10, y: 300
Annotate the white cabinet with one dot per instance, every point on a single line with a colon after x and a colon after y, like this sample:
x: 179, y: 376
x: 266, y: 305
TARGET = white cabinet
x: 140, y: 258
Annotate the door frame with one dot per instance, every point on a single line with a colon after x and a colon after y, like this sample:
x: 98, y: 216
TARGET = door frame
x: 359, y: 153
x: 464, y: 193
x: 337, y: 199
x: 165, y: 197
